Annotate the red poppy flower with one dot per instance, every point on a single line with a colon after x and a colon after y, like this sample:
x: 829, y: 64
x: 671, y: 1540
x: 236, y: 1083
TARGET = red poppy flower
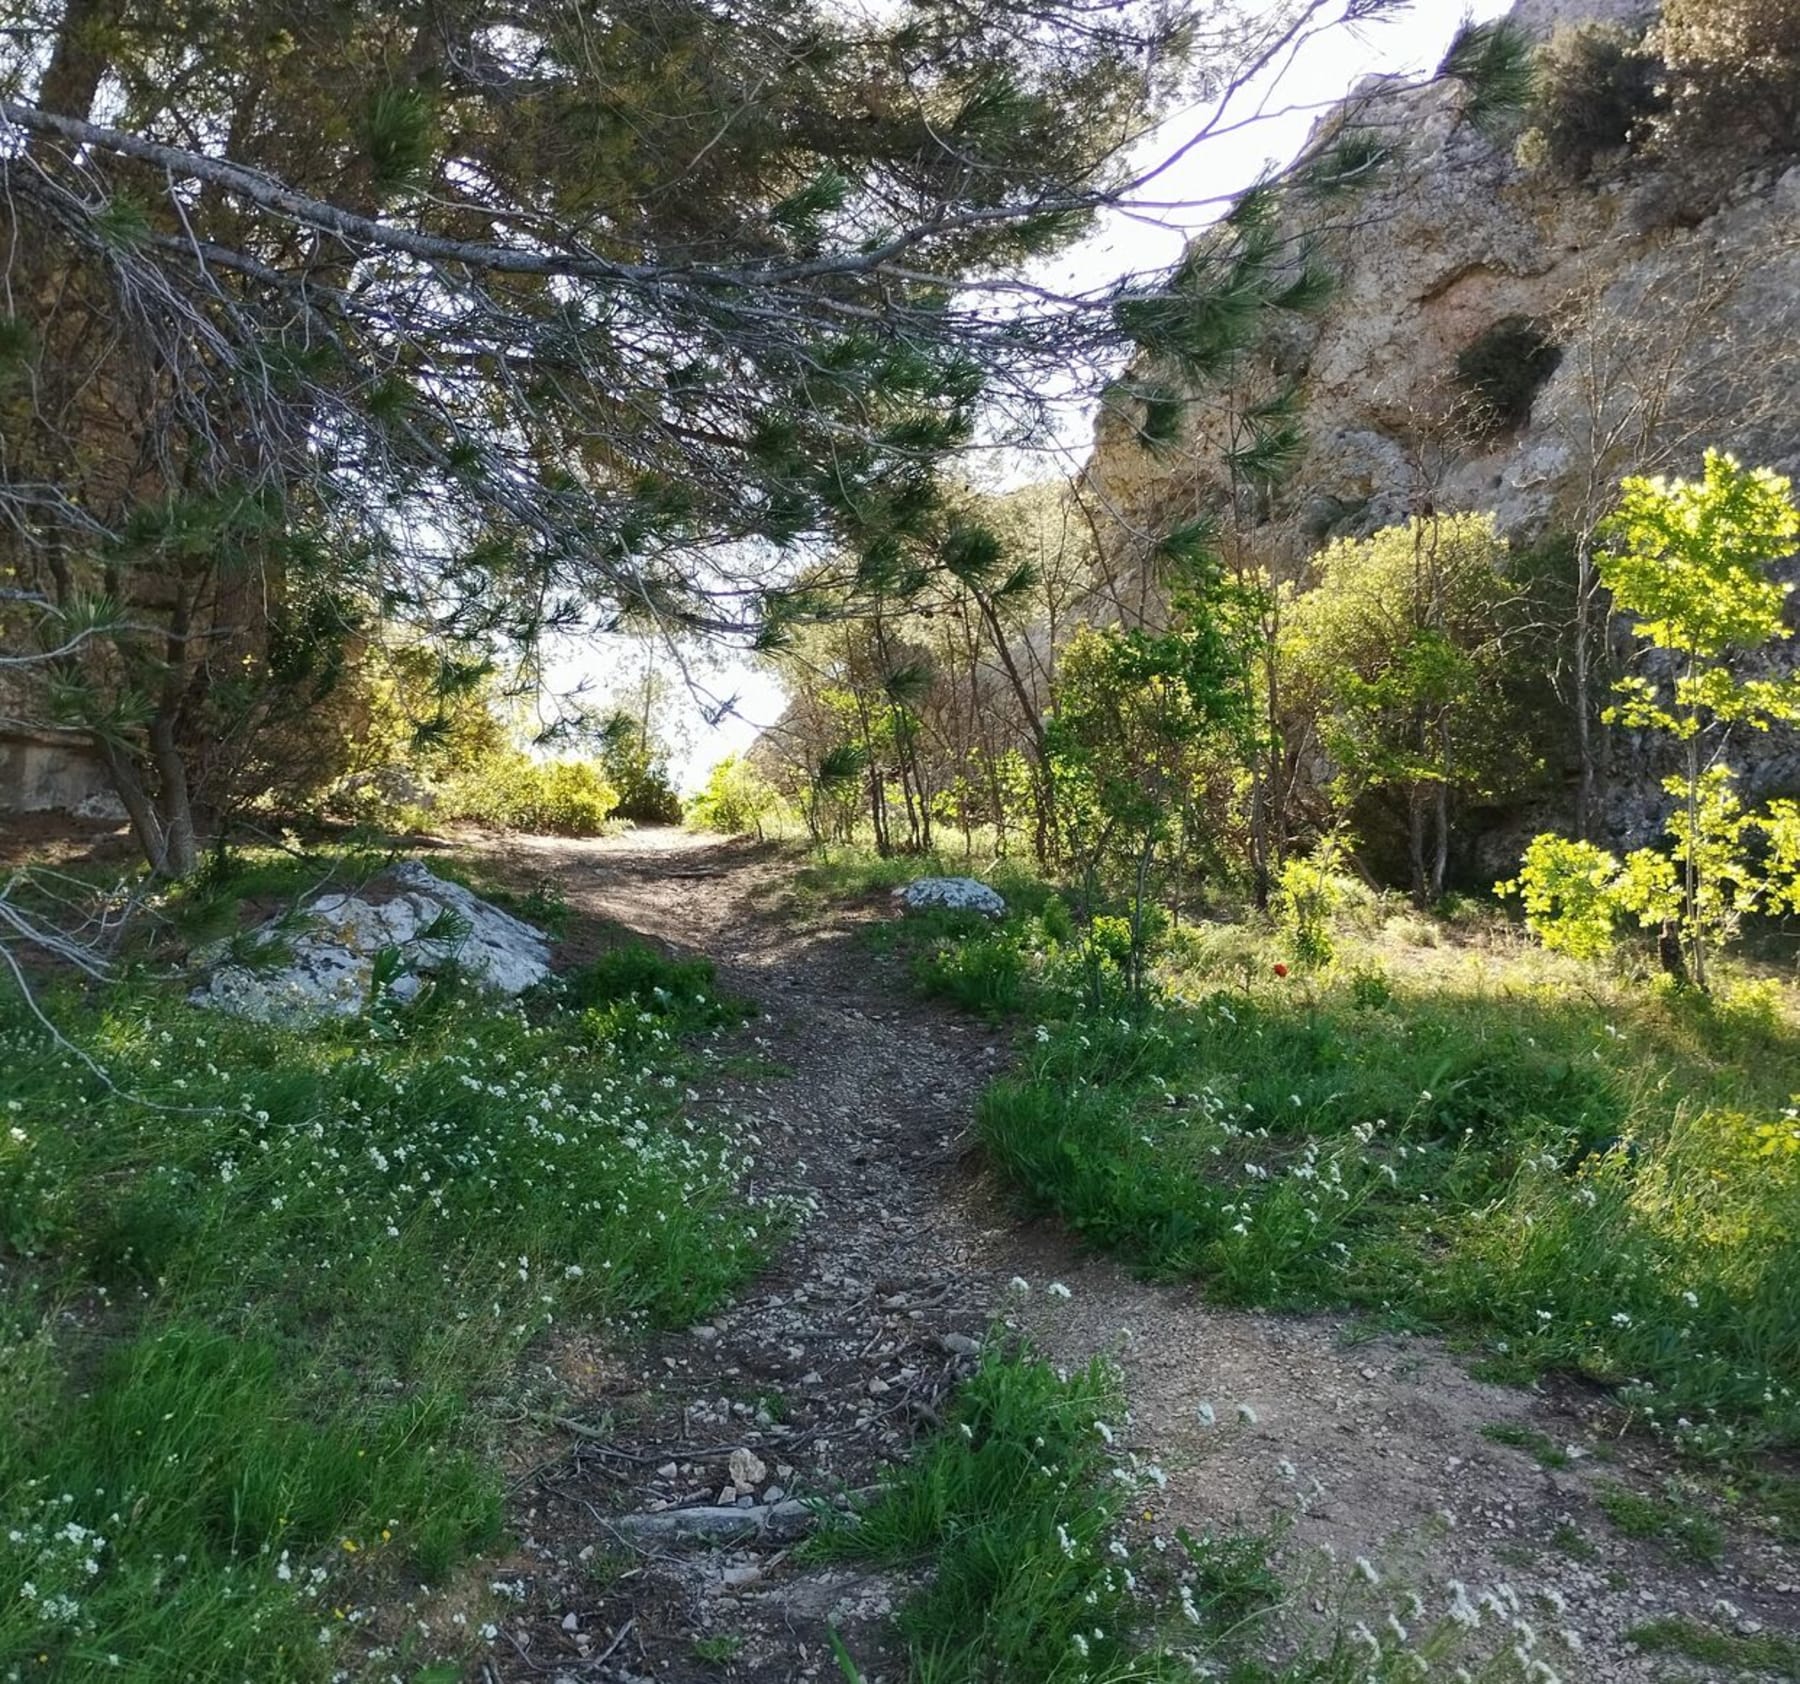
x: 1280, y: 969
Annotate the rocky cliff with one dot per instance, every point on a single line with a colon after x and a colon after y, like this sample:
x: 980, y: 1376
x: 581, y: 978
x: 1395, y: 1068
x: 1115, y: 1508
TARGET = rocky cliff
x: 1660, y: 329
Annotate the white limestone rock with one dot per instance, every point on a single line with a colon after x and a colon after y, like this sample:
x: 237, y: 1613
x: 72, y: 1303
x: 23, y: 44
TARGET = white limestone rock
x: 427, y: 920
x: 959, y: 894
x: 102, y: 806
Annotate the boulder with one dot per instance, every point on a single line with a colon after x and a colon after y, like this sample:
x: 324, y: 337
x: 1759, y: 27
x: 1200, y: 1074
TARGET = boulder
x: 328, y: 957
x: 959, y: 894
x: 102, y: 806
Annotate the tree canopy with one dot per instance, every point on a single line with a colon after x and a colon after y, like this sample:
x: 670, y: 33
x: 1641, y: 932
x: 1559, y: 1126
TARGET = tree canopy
x: 499, y: 321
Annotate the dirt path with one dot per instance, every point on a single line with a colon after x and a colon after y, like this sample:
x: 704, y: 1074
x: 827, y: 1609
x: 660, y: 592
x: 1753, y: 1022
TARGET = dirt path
x: 860, y: 1099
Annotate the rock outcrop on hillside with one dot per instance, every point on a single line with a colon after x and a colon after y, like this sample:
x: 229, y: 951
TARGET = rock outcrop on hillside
x: 1673, y: 331
x: 323, y: 962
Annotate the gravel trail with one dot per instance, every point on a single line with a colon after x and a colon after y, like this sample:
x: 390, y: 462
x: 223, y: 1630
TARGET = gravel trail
x: 1367, y: 1455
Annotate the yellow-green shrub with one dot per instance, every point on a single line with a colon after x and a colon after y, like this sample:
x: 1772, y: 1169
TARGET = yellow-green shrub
x: 737, y: 799
x: 512, y: 791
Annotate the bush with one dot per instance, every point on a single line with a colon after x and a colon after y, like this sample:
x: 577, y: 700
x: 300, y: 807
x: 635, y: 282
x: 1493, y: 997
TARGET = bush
x: 512, y: 791
x: 1306, y: 902
x: 639, y: 771
x: 645, y: 794
x: 1595, y: 87
x: 983, y: 973
x: 1733, y: 77
x: 738, y: 800
x: 1567, y: 888
x: 1504, y: 369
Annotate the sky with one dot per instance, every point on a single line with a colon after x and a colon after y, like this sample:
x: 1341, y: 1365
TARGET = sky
x: 1408, y: 43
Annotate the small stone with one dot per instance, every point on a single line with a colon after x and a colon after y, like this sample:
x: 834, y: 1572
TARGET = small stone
x: 878, y: 1387
x: 774, y: 1494
x: 812, y: 1377
x: 960, y: 1345
x: 571, y: 1622
x: 746, y: 1468
x: 741, y: 1575
x: 667, y: 1471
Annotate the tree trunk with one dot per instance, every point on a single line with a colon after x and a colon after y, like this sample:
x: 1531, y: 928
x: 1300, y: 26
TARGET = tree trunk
x: 1043, y: 799
x: 181, y: 844
x: 1415, y: 844
x: 1586, y: 776
x: 77, y: 63
x: 1440, y: 858
x: 1691, y: 871
x: 146, y: 824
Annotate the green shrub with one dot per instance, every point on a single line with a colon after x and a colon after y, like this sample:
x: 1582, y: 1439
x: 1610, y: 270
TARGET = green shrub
x: 637, y: 767
x: 1306, y: 902
x: 982, y: 972
x: 513, y: 791
x: 737, y: 801
x: 1568, y: 890
x: 1504, y: 369
x: 1595, y: 88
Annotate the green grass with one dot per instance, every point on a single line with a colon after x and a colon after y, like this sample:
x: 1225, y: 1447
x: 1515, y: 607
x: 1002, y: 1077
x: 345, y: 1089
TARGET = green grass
x: 259, y: 1303
x: 1034, y: 958
x: 1539, y: 1446
x: 1030, y: 1526
x: 1573, y: 1542
x: 1664, y: 1518
x: 839, y: 871
x: 1013, y: 1508
x: 1565, y: 1176
x: 207, y: 906
x: 633, y: 994
x: 1764, y: 1651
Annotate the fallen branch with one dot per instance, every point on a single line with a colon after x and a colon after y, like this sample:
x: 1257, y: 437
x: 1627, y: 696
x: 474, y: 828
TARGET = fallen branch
x: 725, y: 1524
